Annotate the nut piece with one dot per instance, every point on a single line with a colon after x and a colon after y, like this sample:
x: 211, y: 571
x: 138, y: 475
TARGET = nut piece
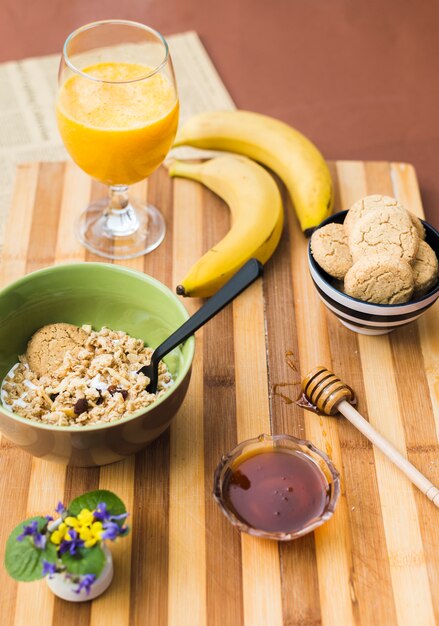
x: 112, y: 389
x: 81, y: 406
x: 388, y: 231
x: 329, y: 246
x: 48, y: 346
x: 425, y: 269
x: 381, y: 279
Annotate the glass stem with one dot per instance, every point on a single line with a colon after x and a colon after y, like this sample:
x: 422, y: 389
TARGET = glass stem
x: 119, y: 197
x: 121, y: 219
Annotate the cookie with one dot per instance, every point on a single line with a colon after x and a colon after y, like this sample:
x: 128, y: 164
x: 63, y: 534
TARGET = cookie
x: 425, y: 269
x: 388, y: 231
x: 378, y: 202
x: 381, y: 279
x: 329, y: 247
x: 370, y: 203
x: 48, y: 346
x: 418, y: 225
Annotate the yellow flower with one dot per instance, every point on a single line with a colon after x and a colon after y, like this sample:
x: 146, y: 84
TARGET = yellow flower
x: 88, y: 530
x: 97, y: 527
x: 72, y: 522
x: 91, y: 534
x: 85, y: 517
x: 58, y: 535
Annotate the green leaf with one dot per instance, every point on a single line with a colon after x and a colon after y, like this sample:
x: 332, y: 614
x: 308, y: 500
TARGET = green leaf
x: 91, y: 499
x: 85, y: 561
x: 23, y: 561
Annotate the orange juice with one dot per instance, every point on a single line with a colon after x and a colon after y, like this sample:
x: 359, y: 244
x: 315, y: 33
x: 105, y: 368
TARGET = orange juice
x: 117, y: 132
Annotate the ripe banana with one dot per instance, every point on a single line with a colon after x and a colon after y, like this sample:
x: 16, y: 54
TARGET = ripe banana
x: 275, y: 144
x: 257, y: 219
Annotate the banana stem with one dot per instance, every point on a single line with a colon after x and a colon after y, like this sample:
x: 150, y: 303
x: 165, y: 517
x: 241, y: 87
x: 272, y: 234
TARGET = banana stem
x: 185, y: 169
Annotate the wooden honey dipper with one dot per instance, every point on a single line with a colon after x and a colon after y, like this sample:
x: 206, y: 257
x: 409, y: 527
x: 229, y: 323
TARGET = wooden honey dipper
x: 330, y: 395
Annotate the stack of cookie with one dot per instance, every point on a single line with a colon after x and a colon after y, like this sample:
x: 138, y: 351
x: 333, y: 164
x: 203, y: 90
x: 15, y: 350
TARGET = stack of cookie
x: 378, y: 252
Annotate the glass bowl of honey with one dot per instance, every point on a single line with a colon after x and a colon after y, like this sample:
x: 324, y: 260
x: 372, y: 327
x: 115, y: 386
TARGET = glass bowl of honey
x: 276, y: 487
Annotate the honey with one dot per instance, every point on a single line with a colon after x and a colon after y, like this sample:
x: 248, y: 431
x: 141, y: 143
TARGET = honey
x: 276, y: 490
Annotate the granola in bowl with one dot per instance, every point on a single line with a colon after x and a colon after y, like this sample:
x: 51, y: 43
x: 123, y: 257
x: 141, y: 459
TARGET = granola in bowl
x: 93, y: 381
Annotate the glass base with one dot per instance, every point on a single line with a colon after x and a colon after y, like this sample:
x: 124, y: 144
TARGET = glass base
x: 124, y: 233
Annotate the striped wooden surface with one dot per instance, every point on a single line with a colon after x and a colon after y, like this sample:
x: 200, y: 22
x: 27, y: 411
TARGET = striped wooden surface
x: 376, y: 562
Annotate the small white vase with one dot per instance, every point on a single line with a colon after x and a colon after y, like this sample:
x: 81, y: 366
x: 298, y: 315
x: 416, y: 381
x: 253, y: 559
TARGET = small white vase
x: 64, y: 588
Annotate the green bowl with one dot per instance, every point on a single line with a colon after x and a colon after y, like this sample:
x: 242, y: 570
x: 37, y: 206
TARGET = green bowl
x: 101, y: 295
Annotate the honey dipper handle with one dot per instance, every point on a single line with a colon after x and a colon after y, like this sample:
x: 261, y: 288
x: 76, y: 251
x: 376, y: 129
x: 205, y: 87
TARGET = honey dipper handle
x: 391, y: 453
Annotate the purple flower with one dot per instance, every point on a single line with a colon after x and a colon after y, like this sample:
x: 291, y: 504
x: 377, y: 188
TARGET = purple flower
x: 60, y: 508
x: 28, y: 530
x: 118, y: 517
x: 49, y: 569
x: 49, y: 518
x: 31, y: 530
x: 109, y: 522
x: 85, y: 583
x: 124, y: 531
x: 102, y: 514
x: 40, y: 540
x: 72, y: 545
x: 111, y: 531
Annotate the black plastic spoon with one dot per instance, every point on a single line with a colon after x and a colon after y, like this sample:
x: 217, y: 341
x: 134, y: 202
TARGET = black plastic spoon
x: 240, y: 281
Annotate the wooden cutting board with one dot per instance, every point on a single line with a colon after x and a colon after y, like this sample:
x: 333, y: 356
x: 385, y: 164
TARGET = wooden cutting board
x: 377, y: 560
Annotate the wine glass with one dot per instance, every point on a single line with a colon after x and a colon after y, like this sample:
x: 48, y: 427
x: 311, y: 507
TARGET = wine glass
x: 117, y: 111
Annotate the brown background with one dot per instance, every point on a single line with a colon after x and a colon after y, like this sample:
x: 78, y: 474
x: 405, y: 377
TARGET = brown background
x: 359, y: 78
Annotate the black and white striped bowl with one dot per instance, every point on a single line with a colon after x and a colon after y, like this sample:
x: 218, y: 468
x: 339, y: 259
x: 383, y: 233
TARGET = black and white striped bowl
x: 363, y: 317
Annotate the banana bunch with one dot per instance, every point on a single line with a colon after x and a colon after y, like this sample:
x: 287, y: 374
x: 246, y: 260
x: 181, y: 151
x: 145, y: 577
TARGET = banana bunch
x: 257, y: 219
x: 275, y: 144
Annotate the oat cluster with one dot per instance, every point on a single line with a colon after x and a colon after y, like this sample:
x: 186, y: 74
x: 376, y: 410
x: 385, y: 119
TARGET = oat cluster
x: 94, y: 383
x: 378, y: 252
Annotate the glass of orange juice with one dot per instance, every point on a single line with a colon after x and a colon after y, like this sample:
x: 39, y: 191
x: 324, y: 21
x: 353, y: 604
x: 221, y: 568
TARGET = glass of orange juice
x: 117, y: 111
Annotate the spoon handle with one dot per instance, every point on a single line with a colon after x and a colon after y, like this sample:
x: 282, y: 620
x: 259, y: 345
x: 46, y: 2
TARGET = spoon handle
x: 329, y: 394
x: 390, y: 451
x: 240, y: 281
